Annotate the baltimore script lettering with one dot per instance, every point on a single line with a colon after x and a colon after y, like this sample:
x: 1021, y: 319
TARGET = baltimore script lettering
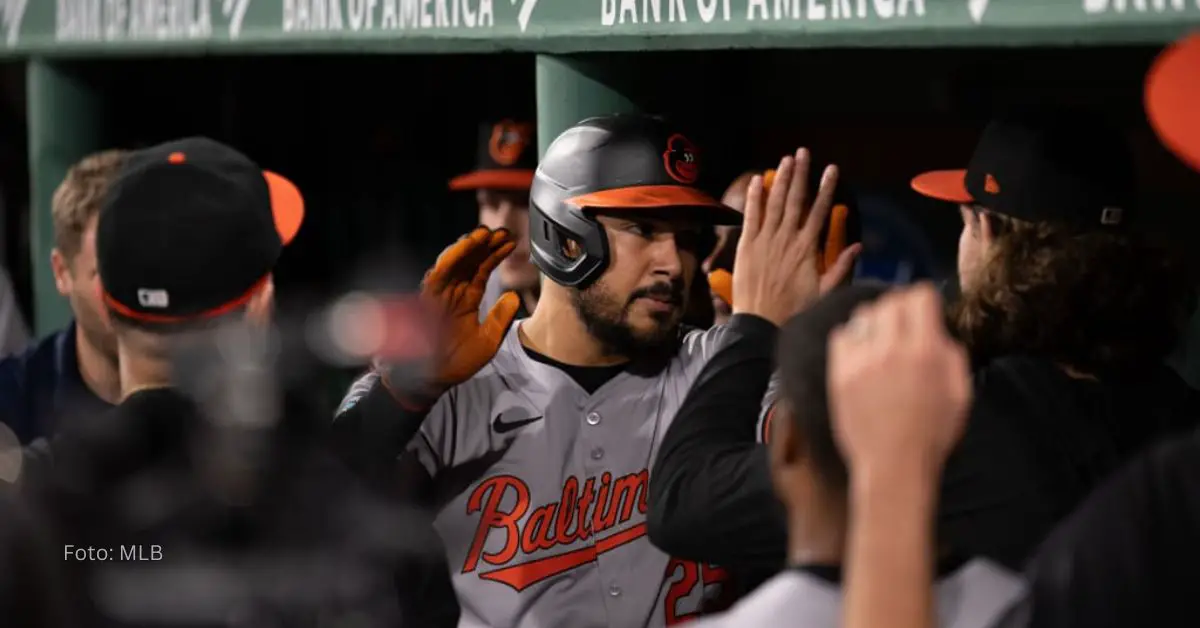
x: 577, y: 516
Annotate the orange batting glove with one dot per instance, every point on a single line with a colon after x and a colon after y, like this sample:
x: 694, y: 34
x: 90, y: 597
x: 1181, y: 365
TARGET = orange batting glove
x: 721, y: 281
x: 452, y: 291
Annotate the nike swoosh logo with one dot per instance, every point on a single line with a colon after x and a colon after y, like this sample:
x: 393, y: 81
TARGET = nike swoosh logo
x: 501, y: 427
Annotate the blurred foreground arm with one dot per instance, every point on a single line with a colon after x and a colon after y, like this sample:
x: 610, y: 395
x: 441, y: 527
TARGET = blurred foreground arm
x: 386, y: 407
x: 899, y: 391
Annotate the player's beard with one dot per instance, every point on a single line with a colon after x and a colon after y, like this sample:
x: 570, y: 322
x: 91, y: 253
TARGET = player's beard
x: 607, y: 319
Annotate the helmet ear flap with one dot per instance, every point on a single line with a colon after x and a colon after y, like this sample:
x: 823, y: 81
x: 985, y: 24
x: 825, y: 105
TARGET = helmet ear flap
x: 567, y: 245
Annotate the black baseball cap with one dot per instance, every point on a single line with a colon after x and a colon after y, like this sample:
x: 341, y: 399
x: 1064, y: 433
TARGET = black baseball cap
x: 190, y: 230
x: 506, y: 158
x: 1049, y: 165
x: 632, y: 162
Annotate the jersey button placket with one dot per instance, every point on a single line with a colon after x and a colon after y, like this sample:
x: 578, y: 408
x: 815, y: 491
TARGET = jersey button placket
x: 593, y: 419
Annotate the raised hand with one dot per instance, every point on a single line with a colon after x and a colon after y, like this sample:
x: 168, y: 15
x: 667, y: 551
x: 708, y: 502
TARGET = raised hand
x: 451, y: 292
x: 779, y: 263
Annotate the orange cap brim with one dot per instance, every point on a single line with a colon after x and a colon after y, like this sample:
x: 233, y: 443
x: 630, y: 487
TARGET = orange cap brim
x: 944, y: 185
x: 1172, y: 97
x: 286, y: 204
x: 493, y: 180
x: 659, y: 197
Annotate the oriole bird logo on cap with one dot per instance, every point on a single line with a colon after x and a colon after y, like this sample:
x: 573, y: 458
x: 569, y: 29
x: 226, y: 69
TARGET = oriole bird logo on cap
x: 681, y: 159
x: 990, y: 185
x: 509, y: 140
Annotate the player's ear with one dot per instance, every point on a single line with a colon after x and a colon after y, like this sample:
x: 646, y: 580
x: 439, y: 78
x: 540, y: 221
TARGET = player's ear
x: 785, y: 443
x: 787, y: 448
x: 61, y: 269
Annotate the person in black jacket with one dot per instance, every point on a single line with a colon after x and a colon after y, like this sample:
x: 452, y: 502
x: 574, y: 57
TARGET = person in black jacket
x: 1127, y: 556
x: 811, y: 460
x: 1068, y: 315
x: 206, y: 466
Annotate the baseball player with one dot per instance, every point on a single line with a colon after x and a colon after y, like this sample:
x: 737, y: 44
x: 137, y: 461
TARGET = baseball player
x: 1124, y: 557
x: 504, y: 166
x: 821, y: 440
x: 535, y: 439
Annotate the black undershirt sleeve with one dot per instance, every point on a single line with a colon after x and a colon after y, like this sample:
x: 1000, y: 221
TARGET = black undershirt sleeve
x: 711, y: 496
x: 370, y: 433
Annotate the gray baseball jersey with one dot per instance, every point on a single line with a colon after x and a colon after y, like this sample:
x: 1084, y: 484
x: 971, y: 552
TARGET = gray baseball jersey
x: 764, y: 417
x: 978, y: 595
x: 544, y: 493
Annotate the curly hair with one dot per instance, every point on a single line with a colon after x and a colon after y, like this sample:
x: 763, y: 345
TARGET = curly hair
x: 1100, y: 302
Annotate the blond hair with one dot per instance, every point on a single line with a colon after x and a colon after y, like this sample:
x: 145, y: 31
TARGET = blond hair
x: 79, y: 197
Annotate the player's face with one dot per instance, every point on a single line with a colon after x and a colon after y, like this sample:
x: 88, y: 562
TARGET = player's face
x: 77, y: 279
x: 510, y: 210
x: 639, y: 301
x: 973, y: 244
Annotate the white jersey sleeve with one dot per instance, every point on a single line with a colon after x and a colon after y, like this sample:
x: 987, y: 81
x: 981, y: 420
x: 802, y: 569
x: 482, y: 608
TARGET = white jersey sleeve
x: 979, y: 595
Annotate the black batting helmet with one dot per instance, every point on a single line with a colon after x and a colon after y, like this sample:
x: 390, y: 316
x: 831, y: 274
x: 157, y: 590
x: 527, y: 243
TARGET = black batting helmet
x: 609, y: 163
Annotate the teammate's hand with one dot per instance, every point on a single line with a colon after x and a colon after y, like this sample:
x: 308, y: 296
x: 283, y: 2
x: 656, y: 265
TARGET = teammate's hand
x: 899, y: 386
x: 452, y: 291
x: 776, y: 272
x: 836, y: 258
x: 833, y: 265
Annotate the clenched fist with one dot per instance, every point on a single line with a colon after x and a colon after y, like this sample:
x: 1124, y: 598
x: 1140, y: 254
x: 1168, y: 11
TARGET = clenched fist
x: 899, y: 385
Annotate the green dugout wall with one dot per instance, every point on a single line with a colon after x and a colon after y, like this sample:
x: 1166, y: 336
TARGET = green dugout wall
x: 66, y: 120
x: 577, y: 72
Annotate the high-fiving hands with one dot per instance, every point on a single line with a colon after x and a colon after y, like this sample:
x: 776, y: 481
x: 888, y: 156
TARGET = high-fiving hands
x: 452, y: 292
x: 780, y: 265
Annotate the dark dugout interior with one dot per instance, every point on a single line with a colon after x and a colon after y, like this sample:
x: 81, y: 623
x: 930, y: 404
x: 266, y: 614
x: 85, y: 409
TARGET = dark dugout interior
x: 373, y: 140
